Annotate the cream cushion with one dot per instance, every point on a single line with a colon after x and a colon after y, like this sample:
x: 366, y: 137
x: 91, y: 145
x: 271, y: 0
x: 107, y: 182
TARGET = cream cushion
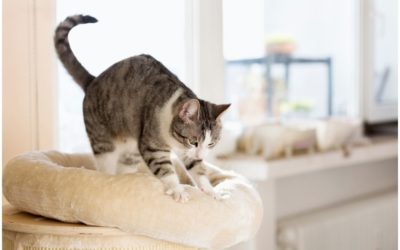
x: 65, y: 187
x: 23, y: 231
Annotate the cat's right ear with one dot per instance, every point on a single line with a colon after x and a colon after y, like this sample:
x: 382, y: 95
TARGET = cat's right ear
x: 190, y: 110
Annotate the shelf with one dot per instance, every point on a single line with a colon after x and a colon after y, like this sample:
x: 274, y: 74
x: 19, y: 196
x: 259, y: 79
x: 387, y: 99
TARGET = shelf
x: 288, y: 60
x: 256, y: 168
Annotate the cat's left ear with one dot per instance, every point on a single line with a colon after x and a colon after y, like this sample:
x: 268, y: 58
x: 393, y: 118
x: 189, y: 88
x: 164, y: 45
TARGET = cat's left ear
x: 190, y: 110
x: 220, y: 109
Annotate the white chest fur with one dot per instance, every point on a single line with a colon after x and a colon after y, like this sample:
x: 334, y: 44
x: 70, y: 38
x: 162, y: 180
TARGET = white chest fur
x: 165, y: 119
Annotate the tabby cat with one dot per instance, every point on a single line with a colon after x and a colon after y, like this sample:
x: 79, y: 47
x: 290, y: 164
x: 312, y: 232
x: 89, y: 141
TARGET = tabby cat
x: 138, y: 110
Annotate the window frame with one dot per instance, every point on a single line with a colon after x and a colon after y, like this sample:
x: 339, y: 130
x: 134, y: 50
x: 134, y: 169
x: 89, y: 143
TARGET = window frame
x: 370, y: 111
x: 29, y: 75
x: 204, y: 49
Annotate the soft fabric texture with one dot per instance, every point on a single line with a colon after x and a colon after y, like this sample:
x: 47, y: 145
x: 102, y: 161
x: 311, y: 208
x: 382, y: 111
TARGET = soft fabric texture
x: 24, y: 231
x: 65, y: 187
x: 30, y: 241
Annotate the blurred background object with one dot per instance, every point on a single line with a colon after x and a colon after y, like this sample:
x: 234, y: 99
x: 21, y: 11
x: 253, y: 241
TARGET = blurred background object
x: 280, y: 44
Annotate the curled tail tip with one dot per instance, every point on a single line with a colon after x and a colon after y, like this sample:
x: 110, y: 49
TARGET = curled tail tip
x: 72, y: 21
x: 89, y: 19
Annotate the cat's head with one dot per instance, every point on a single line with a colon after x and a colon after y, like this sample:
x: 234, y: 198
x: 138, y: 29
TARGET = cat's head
x: 197, y: 126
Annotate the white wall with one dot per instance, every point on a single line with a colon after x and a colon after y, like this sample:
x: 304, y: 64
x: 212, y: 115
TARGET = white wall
x: 288, y: 196
x: 300, y: 193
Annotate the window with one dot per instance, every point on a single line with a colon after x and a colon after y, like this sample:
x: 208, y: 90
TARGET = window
x: 288, y: 58
x: 125, y: 28
x: 243, y: 37
x: 380, y: 65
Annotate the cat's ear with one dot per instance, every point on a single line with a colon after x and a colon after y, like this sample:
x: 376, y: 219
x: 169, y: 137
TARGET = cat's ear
x: 190, y: 110
x: 220, y: 109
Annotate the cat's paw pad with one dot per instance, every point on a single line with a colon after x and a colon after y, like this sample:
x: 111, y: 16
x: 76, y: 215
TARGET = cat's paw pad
x: 178, y: 194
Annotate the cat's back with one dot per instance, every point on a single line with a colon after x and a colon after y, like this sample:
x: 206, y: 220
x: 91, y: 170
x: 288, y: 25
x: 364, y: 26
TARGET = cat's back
x: 122, y: 93
x: 135, y: 75
x: 135, y: 70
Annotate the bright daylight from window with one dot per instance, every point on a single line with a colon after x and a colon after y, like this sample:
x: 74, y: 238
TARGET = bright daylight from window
x: 285, y: 60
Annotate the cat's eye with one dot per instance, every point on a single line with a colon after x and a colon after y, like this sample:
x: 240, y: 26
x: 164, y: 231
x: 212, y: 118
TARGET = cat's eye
x: 211, y: 144
x: 194, y: 143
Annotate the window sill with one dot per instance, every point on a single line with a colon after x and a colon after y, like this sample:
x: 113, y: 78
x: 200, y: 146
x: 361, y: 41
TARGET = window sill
x: 256, y: 168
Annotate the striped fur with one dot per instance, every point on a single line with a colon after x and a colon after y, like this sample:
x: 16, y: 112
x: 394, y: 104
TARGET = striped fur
x: 64, y: 52
x: 137, y: 110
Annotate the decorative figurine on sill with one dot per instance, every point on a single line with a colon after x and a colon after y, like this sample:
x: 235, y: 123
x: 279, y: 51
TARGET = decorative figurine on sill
x: 274, y: 140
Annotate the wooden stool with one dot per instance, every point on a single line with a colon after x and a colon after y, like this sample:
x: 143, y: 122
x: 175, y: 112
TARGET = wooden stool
x: 24, y: 231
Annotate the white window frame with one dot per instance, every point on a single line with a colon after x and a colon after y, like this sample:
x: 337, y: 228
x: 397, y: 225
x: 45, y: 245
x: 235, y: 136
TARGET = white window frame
x: 204, y: 49
x: 370, y: 111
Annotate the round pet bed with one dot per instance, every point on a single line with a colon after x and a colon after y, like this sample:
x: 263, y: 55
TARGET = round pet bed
x: 65, y: 187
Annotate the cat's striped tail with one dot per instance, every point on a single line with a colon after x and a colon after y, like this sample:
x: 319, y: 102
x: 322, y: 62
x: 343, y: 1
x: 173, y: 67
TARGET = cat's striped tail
x: 67, y: 57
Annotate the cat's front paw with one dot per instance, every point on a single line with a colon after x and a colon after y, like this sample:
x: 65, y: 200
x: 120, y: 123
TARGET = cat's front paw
x: 178, y: 193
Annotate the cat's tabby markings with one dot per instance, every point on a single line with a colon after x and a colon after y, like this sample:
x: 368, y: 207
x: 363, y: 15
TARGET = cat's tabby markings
x: 137, y: 110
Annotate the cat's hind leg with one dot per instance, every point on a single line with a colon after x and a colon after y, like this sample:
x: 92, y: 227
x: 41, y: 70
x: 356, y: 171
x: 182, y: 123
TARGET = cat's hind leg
x: 118, y: 161
x: 102, y: 144
x: 106, y: 156
x: 128, y: 163
x: 107, y: 162
x: 129, y: 156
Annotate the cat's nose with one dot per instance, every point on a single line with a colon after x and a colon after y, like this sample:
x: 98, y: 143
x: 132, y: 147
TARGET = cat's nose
x: 197, y: 156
